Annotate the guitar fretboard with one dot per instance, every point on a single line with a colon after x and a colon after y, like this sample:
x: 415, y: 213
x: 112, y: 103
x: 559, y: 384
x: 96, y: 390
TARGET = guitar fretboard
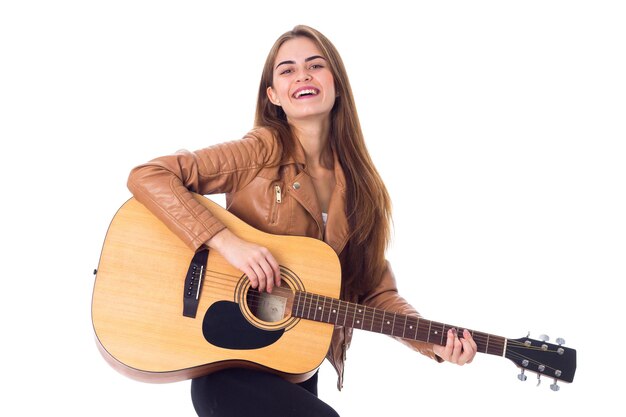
x: 331, y: 310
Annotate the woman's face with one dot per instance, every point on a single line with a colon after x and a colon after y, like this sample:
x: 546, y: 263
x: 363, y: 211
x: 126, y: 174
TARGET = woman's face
x: 302, y: 82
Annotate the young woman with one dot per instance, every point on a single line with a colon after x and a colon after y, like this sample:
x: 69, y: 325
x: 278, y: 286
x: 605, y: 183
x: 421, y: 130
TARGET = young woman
x: 303, y: 170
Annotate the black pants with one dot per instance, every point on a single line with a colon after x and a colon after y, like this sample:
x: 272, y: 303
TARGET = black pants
x: 246, y: 393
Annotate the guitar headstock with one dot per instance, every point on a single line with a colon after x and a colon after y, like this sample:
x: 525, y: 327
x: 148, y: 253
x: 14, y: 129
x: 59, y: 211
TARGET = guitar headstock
x: 543, y: 358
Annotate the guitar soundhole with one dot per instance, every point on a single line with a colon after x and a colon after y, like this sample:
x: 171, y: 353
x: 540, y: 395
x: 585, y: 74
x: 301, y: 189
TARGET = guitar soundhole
x: 271, y: 307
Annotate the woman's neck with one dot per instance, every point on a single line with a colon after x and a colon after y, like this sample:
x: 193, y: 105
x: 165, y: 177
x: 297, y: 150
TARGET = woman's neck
x: 314, y: 140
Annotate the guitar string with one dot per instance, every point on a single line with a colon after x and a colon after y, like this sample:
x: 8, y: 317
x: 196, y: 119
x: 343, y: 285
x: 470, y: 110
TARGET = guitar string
x: 378, y: 320
x: 510, y: 354
x: 374, y: 317
x: 480, y: 340
x: 224, y: 283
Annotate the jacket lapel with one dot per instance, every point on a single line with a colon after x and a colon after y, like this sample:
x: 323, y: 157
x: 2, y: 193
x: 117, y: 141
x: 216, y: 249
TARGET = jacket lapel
x: 337, y: 228
x: 301, y: 187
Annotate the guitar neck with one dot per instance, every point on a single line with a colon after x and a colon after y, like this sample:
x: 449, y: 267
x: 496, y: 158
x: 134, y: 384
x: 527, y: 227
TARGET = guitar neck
x: 331, y: 310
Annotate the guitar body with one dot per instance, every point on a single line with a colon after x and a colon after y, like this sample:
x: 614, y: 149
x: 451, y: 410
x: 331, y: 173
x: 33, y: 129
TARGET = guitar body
x: 139, y: 299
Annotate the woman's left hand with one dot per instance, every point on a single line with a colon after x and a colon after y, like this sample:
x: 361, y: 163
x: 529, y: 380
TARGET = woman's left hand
x: 458, y: 350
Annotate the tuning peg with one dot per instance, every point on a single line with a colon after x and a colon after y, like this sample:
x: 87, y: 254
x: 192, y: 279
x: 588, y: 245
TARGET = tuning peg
x: 555, y: 386
x: 538, y: 379
x: 521, y: 376
x: 544, y: 337
x: 560, y: 341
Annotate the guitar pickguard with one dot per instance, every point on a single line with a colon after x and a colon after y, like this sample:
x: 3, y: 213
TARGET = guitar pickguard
x: 224, y: 326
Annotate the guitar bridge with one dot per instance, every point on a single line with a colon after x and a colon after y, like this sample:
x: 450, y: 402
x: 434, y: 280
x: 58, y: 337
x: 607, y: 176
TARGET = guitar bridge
x: 193, y: 283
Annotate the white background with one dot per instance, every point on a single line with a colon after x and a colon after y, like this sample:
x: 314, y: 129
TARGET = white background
x: 498, y: 127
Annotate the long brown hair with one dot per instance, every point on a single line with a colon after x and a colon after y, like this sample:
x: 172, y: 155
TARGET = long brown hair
x: 368, y: 204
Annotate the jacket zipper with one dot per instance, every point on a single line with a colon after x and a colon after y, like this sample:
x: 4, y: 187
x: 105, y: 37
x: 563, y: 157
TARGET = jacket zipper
x: 279, y: 199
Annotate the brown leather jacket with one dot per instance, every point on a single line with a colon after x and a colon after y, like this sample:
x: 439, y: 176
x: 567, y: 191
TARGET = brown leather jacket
x: 267, y: 192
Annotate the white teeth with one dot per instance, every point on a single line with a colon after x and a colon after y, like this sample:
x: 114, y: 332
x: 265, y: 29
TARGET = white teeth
x: 307, y: 91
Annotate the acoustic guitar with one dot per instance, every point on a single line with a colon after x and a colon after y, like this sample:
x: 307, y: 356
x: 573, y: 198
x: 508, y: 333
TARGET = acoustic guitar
x: 163, y: 313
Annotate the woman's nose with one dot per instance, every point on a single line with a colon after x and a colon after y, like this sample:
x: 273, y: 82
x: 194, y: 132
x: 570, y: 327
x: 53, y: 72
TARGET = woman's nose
x: 303, y: 75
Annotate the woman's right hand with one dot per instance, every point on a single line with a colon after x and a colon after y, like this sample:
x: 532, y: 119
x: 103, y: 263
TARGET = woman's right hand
x: 253, y: 260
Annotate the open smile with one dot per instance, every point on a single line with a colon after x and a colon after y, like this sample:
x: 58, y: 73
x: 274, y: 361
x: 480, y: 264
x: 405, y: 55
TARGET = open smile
x: 306, y: 92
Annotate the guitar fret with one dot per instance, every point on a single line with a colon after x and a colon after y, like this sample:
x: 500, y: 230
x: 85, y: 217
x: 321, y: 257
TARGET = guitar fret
x: 297, y: 304
x: 320, y: 307
x: 361, y: 320
x: 304, y: 304
x: 309, y: 310
x: 294, y: 306
x: 386, y: 322
x: 330, y: 310
x: 308, y: 300
x: 353, y: 314
x: 393, y: 326
x: 345, y: 312
x: 404, y: 327
x: 441, y: 333
x: 382, y: 323
x: 317, y: 307
x: 298, y: 313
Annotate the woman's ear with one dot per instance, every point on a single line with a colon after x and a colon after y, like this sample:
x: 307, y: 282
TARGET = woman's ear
x: 272, y: 96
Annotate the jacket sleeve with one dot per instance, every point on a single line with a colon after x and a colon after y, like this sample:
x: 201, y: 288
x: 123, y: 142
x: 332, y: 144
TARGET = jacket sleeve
x: 165, y: 184
x: 385, y: 296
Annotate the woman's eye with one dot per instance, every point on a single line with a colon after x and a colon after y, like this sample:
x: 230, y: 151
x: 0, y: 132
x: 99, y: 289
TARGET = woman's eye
x: 286, y: 71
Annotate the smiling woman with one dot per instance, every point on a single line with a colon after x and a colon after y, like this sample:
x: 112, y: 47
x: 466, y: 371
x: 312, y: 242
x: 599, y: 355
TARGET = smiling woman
x: 303, y: 170
x: 303, y: 84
